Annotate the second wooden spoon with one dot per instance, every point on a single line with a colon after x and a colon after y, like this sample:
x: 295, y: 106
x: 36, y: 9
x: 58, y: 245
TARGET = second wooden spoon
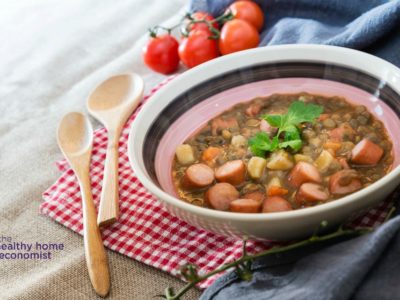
x: 111, y: 103
x: 75, y: 138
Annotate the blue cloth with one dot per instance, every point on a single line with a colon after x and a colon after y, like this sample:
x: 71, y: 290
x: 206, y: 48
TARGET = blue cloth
x: 363, y: 268
x: 369, y: 25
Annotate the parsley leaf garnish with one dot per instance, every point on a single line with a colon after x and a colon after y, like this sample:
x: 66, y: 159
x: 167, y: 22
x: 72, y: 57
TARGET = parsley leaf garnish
x: 298, y: 113
x: 292, y: 139
x: 261, y: 143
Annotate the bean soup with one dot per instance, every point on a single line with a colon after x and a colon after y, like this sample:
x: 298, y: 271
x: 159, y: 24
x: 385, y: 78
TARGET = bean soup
x: 280, y: 153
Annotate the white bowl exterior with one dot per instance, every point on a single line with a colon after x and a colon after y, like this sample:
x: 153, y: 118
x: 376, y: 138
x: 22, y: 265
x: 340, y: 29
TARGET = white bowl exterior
x: 278, y: 226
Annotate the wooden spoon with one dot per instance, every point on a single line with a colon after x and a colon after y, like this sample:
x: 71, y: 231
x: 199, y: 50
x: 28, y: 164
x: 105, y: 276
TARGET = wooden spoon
x: 111, y: 103
x: 75, y: 138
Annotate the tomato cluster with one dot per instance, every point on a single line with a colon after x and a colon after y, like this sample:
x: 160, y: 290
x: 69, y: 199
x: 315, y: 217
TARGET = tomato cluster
x: 205, y: 37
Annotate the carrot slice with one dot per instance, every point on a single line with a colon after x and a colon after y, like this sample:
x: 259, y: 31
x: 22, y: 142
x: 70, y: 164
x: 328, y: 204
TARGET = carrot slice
x: 323, y: 117
x: 276, y: 191
x: 332, y: 145
x: 210, y: 155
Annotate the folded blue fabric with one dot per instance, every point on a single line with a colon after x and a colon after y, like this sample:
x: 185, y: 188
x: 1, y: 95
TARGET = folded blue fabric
x: 363, y: 268
x: 369, y: 25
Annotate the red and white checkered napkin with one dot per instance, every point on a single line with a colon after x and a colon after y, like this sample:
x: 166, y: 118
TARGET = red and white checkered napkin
x: 146, y: 231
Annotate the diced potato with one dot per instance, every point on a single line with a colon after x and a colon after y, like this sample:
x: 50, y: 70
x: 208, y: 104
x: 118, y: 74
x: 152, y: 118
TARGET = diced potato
x: 324, y: 160
x: 256, y: 166
x: 239, y: 141
x: 274, y: 181
x: 280, y: 160
x: 301, y: 157
x: 184, y: 154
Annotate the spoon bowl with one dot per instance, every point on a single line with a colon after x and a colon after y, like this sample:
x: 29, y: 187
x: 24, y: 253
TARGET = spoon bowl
x: 116, y: 98
x: 111, y: 103
x: 75, y: 135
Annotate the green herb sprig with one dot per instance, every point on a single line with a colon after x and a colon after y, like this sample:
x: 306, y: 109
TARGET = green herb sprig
x: 287, y: 124
x: 242, y: 266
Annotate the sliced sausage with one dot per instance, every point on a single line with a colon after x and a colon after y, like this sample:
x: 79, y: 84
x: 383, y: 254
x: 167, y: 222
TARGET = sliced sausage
x: 221, y: 195
x: 343, y: 163
x: 303, y: 172
x: 310, y: 193
x: 257, y: 195
x: 336, y: 134
x: 344, y: 182
x: 219, y: 124
x: 253, y: 109
x: 275, y: 204
x: 197, y: 176
x: 233, y: 172
x: 267, y: 128
x: 341, y: 133
x: 245, y: 206
x: 366, y: 153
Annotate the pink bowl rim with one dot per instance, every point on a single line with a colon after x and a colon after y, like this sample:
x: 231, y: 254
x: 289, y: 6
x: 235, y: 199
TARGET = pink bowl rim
x: 192, y: 120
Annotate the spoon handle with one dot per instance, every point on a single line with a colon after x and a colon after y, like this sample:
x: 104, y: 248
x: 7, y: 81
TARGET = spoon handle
x: 96, y: 257
x: 109, y: 208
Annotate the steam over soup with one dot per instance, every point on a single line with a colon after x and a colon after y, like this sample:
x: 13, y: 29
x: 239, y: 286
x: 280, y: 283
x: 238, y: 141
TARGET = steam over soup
x: 280, y: 153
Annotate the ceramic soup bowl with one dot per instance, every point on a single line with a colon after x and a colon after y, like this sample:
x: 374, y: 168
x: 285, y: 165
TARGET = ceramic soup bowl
x: 189, y: 101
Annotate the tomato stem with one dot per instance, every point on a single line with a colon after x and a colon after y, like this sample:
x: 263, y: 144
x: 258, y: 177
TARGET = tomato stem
x: 210, y: 24
x: 215, y: 33
x: 154, y: 30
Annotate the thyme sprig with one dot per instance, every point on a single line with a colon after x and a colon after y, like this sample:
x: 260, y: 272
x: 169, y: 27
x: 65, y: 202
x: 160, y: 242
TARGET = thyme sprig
x: 242, y: 266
